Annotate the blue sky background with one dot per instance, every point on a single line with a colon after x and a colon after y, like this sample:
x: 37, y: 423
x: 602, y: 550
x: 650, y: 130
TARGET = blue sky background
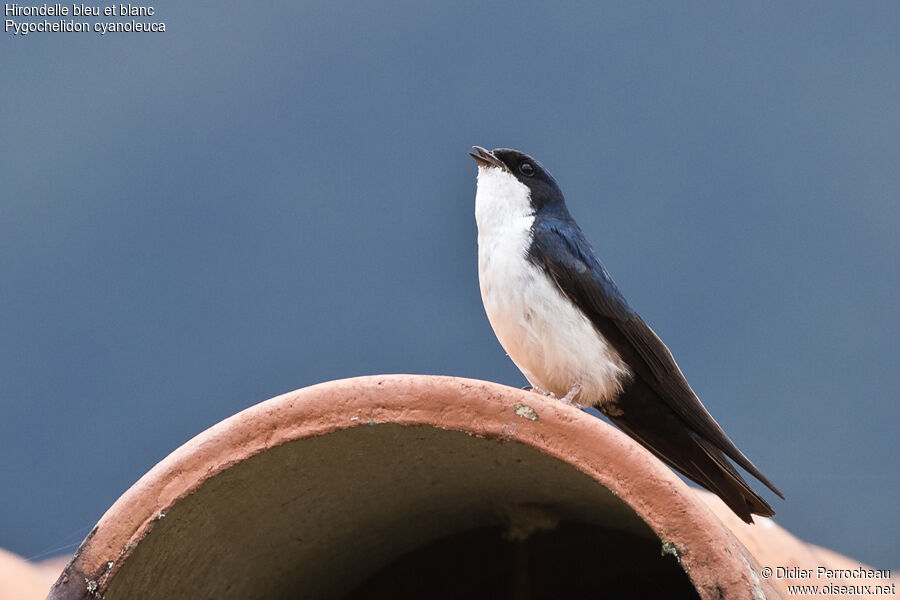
x: 268, y: 196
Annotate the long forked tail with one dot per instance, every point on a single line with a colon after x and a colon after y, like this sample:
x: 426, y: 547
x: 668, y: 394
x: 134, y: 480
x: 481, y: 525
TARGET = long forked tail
x: 646, y: 418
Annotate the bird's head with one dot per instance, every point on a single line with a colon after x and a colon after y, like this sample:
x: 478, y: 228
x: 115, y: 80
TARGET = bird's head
x: 515, y: 184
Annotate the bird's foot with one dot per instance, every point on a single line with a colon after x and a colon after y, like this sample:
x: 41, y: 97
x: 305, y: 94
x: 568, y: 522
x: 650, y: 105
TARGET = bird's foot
x: 569, y: 398
x: 537, y: 390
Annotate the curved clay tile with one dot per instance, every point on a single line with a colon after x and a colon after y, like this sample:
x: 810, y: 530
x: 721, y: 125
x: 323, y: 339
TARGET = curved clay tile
x: 412, y: 486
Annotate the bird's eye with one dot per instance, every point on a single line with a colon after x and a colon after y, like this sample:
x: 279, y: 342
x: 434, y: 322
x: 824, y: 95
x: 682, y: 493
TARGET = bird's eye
x: 527, y: 169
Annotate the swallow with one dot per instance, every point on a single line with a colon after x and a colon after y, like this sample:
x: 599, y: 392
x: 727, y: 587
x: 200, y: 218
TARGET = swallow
x: 567, y: 327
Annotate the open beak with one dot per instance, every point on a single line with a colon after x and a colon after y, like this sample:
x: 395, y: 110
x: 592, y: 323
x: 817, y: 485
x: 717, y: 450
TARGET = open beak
x: 486, y: 159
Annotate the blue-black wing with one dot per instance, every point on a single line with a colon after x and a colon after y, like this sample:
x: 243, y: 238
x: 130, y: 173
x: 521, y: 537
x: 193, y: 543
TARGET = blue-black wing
x: 561, y: 250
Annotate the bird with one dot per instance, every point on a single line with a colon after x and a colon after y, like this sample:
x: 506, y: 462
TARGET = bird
x: 564, y: 323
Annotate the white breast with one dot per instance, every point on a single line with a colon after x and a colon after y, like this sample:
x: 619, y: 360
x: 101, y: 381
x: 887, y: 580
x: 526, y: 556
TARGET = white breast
x: 545, y: 335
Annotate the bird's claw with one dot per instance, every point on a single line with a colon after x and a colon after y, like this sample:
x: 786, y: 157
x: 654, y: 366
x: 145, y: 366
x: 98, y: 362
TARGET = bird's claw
x: 569, y: 398
x: 538, y: 390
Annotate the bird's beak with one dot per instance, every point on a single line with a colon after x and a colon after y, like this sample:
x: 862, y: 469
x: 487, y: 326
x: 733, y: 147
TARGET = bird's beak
x: 486, y: 159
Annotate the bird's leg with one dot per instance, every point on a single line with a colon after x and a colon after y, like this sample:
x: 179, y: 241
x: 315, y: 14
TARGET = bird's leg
x: 569, y: 398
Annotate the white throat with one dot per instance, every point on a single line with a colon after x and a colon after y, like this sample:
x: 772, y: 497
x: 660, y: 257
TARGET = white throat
x: 501, y: 202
